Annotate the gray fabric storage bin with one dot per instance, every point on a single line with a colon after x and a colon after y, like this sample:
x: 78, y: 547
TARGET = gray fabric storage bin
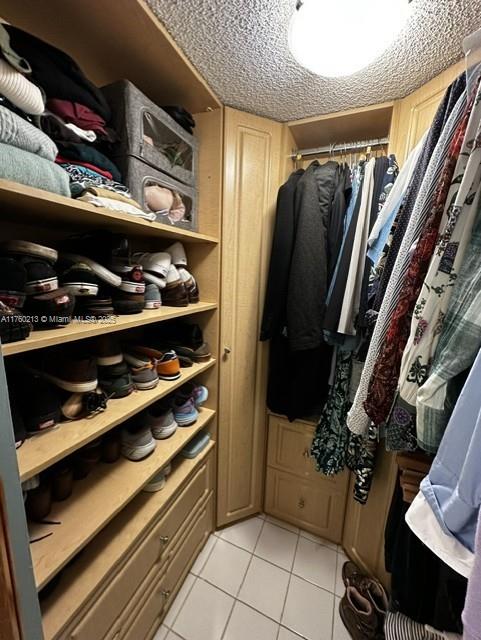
x: 137, y: 175
x: 135, y: 116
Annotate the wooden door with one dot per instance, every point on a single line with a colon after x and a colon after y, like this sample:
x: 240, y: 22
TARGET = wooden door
x: 252, y: 174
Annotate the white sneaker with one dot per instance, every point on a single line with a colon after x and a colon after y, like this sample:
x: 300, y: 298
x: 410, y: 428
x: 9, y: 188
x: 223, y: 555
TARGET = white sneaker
x: 156, y: 266
x: 177, y: 253
x: 156, y: 484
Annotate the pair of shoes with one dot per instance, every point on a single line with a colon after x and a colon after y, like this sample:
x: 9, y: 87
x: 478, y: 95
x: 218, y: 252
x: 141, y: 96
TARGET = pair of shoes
x: 159, y: 480
x: 41, y: 412
x: 115, y: 378
x: 364, y: 605
x: 186, y: 403
x: 66, y: 367
x: 122, y: 281
x: 137, y: 441
x: 161, y: 420
x: 168, y: 270
x: 29, y: 280
x: 165, y: 364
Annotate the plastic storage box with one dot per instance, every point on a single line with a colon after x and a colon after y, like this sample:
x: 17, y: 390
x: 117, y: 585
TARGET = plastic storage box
x: 148, y: 133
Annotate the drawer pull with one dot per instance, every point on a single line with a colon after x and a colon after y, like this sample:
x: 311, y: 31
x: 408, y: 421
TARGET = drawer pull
x: 302, y: 503
x: 165, y: 594
x: 307, y: 453
x: 164, y: 539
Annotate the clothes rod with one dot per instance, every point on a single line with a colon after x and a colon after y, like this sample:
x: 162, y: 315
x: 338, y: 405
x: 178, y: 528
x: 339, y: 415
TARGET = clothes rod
x: 351, y: 146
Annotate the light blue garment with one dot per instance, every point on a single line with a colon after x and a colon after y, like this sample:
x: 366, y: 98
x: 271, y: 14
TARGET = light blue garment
x: 453, y: 486
x: 374, y: 252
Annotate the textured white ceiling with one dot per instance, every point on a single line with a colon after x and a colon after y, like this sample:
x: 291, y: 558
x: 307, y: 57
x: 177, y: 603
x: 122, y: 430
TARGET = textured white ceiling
x: 240, y: 48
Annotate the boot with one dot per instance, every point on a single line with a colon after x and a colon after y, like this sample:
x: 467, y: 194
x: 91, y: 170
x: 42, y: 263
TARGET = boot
x: 370, y: 589
x: 358, y: 615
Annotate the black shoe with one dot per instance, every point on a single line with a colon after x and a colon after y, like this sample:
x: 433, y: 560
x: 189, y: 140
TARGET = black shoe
x: 41, y: 276
x: 80, y: 280
x: 52, y: 309
x: 13, y: 278
x: 127, y: 303
x: 12, y: 325
x: 96, y: 306
x: 116, y: 380
x: 42, y: 410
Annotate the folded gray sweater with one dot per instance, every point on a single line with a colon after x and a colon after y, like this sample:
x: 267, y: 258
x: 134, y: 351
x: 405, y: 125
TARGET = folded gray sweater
x: 27, y: 168
x: 18, y: 132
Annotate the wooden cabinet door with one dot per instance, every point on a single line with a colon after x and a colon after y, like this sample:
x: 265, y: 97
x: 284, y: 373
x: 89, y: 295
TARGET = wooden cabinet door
x: 252, y: 170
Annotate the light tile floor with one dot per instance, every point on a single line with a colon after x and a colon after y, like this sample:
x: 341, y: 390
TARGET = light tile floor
x: 261, y: 579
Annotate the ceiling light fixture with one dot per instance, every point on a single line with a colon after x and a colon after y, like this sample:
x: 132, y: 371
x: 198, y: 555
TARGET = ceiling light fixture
x: 336, y: 38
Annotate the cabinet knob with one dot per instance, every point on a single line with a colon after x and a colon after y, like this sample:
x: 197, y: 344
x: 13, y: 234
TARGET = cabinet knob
x: 307, y: 453
x: 227, y: 351
x: 164, y: 539
x: 165, y: 594
x: 302, y: 503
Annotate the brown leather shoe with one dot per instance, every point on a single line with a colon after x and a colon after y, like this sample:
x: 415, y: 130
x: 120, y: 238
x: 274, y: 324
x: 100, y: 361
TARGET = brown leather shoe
x: 175, y: 293
x: 190, y: 284
x: 369, y: 588
x: 358, y: 615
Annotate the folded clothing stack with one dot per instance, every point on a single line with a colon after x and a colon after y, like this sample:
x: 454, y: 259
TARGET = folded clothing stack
x: 55, y: 123
x: 26, y: 153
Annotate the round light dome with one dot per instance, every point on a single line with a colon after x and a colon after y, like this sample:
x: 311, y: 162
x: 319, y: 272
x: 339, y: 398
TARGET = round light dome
x: 335, y: 38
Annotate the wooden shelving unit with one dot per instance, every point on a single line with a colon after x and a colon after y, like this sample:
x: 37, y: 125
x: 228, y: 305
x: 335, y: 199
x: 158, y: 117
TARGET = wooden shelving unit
x: 97, y: 499
x: 79, y: 330
x: 110, y: 546
x: 38, y: 207
x: 43, y: 450
x: 126, y: 42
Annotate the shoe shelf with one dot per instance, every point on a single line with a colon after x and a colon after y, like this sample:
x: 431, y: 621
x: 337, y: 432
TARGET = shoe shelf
x: 45, y: 449
x: 110, y: 547
x: 97, y: 499
x: 49, y: 209
x: 79, y: 330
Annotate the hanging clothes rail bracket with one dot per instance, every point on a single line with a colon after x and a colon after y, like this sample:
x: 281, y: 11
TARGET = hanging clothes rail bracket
x: 331, y: 148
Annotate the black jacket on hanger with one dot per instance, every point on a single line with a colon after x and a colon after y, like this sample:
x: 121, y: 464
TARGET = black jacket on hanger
x: 308, y: 277
x: 274, y: 317
x: 300, y: 361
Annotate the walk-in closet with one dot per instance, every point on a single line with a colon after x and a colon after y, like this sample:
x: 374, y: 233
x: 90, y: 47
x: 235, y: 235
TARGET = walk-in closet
x: 240, y: 284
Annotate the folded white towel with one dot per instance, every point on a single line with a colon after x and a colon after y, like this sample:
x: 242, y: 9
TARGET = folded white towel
x: 23, y: 93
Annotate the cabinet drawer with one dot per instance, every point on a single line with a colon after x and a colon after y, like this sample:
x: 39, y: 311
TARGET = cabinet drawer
x: 313, y: 506
x: 171, y: 524
x: 289, y: 446
x: 153, y: 551
x: 145, y: 621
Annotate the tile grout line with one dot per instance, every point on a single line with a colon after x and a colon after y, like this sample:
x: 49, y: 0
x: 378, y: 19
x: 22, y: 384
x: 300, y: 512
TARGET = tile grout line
x: 171, y: 628
x: 288, y: 584
x: 244, y: 578
x: 334, y: 605
x: 253, y: 555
